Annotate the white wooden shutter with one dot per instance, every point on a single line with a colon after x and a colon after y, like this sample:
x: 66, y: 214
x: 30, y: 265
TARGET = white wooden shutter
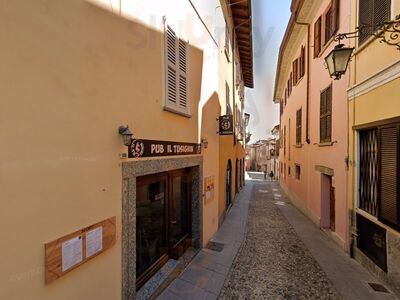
x: 171, y: 70
x: 183, y: 82
x: 176, y: 56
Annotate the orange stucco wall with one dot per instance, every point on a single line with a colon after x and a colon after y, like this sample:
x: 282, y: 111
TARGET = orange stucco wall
x: 307, y: 192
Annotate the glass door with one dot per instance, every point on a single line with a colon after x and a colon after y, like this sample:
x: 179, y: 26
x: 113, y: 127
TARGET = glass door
x: 179, y: 212
x: 151, y: 224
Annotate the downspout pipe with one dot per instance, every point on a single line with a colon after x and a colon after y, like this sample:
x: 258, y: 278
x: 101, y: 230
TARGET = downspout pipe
x: 308, y: 78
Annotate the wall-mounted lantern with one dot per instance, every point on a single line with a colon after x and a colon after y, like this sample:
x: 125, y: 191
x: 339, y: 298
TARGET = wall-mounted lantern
x: 338, y: 60
x: 126, y: 134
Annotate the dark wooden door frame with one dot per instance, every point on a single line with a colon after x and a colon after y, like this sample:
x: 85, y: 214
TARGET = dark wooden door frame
x: 185, y: 242
x: 177, y: 249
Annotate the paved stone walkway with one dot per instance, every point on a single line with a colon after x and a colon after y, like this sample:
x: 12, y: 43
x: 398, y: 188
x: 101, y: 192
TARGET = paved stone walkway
x: 271, y: 251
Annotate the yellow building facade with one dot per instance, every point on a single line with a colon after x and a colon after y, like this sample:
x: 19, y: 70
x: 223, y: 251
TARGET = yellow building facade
x: 373, y: 114
x: 74, y: 72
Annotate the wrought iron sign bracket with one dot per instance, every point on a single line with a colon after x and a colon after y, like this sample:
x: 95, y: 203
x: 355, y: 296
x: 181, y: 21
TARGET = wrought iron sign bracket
x: 386, y: 32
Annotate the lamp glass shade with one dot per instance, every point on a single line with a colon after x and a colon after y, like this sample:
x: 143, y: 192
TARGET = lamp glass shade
x: 127, y: 139
x: 338, y: 60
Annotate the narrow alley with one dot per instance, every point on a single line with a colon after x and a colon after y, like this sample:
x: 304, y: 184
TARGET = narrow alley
x: 270, y: 250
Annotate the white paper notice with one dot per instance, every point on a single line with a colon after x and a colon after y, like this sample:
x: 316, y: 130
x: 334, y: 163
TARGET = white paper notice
x: 71, y: 253
x: 94, y: 241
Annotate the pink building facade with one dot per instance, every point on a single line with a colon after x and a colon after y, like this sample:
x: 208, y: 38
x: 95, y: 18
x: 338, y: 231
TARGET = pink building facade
x: 313, y: 132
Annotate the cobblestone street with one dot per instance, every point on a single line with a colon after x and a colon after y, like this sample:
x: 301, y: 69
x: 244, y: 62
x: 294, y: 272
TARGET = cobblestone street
x: 272, y: 251
x: 273, y: 263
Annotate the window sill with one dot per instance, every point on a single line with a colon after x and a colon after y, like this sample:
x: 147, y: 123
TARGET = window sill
x: 325, y: 144
x: 298, y: 146
x: 178, y: 112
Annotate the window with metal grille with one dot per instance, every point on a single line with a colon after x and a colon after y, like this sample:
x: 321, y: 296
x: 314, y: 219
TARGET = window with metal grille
x: 325, y: 127
x: 176, y: 69
x: 298, y: 127
x: 379, y: 173
x: 371, y: 13
x: 368, y: 183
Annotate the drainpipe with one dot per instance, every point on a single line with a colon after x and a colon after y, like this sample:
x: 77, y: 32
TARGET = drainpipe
x: 308, y: 79
x: 234, y: 85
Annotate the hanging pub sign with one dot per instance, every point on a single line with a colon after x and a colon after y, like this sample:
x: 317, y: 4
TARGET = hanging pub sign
x: 226, y: 125
x: 149, y: 148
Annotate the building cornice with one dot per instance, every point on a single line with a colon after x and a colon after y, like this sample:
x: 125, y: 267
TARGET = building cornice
x: 382, y: 77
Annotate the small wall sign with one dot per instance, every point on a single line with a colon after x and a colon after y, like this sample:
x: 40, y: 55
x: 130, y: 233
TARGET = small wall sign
x: 209, y: 188
x: 149, y: 148
x: 226, y: 125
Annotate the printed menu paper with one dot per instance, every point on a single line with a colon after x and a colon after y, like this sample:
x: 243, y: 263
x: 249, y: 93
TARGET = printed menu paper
x: 71, y: 253
x: 94, y: 241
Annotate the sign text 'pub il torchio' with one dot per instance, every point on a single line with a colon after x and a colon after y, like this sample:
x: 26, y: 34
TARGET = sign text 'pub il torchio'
x: 150, y: 148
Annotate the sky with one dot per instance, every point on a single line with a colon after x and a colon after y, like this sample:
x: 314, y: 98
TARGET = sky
x: 270, y: 18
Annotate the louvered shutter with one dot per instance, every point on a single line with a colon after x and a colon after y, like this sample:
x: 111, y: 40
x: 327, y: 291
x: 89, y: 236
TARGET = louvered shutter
x: 302, y: 61
x: 322, y: 123
x: 328, y: 114
x: 172, y: 72
x: 176, y: 56
x: 298, y: 126
x: 317, y: 37
x: 183, y: 87
x: 335, y: 15
x: 388, y: 204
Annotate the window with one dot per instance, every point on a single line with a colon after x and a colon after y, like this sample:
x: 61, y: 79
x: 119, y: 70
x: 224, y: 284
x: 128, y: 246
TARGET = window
x: 368, y: 189
x: 325, y: 128
x: 295, y: 71
x: 379, y: 173
x: 228, y: 97
x: 332, y: 20
x: 371, y: 13
x: 176, y: 57
x: 284, y: 140
x: 297, y: 172
x: 289, y: 170
x: 302, y: 61
x: 227, y: 41
x: 328, y: 25
x: 317, y: 37
x: 298, y: 127
x: 286, y: 96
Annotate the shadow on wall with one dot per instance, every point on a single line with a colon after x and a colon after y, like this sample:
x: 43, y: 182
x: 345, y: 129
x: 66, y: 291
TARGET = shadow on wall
x: 75, y: 72
x: 93, y: 71
x: 209, y: 128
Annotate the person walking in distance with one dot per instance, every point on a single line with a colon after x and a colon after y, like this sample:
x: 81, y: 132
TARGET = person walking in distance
x: 271, y: 175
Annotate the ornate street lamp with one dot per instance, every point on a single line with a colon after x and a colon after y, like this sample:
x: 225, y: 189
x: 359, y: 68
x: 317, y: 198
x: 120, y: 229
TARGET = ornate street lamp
x: 338, y: 60
x: 386, y: 32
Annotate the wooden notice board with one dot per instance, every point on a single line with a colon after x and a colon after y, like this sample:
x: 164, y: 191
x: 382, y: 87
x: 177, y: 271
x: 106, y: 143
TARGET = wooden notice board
x: 70, y: 251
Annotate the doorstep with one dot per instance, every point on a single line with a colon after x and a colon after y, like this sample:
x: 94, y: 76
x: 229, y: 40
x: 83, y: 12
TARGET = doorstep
x: 168, y: 273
